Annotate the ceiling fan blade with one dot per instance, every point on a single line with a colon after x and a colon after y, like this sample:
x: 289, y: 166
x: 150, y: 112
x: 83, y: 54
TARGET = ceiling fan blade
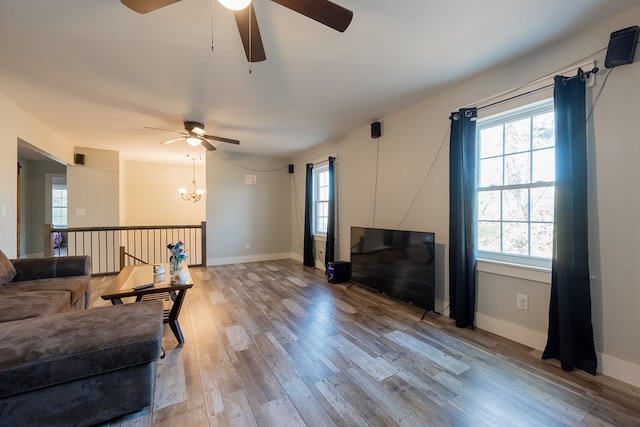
x: 221, y: 139
x: 323, y: 11
x: 166, y: 130
x: 146, y: 6
x: 171, y: 141
x: 255, y: 49
x: 206, y: 144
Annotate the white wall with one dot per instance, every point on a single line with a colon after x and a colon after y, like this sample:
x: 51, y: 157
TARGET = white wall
x: 247, y: 222
x: 409, y: 149
x: 16, y: 123
x: 34, y: 193
x: 93, y: 197
x: 150, y: 193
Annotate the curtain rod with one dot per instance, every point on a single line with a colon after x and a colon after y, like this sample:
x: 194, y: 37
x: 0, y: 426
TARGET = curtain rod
x: 586, y: 75
x: 591, y: 63
x: 323, y: 159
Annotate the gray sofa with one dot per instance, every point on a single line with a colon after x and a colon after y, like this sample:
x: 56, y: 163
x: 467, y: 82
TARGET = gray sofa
x: 40, y: 286
x: 62, y: 364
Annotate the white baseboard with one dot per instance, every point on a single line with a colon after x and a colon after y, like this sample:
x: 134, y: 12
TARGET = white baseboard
x: 248, y: 258
x: 619, y: 369
x: 516, y: 333
x: 610, y: 366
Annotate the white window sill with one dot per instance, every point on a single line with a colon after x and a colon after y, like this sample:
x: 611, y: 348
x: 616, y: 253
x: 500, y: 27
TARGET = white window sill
x: 535, y: 274
x: 320, y: 237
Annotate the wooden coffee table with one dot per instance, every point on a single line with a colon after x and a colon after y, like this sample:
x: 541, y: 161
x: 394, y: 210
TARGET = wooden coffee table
x: 135, y: 275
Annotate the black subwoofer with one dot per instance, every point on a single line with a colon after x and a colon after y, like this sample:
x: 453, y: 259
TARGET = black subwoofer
x: 339, y: 271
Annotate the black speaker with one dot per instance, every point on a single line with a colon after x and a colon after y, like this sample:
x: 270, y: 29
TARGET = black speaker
x: 339, y: 271
x: 78, y: 159
x: 622, y: 47
x: 376, y: 130
x: 290, y: 168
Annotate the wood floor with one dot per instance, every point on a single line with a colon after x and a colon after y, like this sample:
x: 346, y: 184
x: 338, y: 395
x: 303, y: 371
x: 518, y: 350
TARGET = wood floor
x: 273, y: 344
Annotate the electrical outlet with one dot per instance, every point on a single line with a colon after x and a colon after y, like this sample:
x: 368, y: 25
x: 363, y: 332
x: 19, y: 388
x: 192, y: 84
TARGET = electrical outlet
x: 522, y: 301
x: 247, y: 245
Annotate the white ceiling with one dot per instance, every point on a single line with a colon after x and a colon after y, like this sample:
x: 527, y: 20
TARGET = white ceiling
x: 97, y: 73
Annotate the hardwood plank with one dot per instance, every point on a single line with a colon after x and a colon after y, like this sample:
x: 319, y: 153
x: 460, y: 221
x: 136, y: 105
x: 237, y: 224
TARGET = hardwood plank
x: 273, y: 344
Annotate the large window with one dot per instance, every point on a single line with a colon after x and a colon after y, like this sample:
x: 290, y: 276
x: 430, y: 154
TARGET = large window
x: 320, y: 200
x: 516, y: 174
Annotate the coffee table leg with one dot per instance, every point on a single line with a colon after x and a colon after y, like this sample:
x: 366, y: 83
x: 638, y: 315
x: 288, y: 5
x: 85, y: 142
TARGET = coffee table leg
x: 173, y: 315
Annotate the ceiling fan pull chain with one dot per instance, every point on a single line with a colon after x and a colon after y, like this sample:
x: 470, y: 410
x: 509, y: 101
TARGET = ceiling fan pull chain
x: 250, y: 49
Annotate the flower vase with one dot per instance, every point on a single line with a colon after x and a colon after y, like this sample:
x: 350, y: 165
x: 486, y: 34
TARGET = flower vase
x: 175, y: 265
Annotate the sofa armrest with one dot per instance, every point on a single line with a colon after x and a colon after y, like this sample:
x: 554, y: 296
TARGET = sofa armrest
x: 44, y: 268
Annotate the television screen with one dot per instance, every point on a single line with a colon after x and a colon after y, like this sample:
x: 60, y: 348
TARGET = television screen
x: 397, y: 263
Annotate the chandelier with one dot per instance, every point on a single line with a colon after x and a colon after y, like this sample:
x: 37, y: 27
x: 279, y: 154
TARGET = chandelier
x: 194, y: 194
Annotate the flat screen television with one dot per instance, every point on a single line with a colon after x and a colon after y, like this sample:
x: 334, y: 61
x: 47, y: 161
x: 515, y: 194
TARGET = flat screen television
x: 397, y: 263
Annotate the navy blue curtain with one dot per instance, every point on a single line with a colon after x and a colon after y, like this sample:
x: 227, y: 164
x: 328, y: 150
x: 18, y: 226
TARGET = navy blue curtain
x: 331, y: 220
x: 462, y: 217
x: 570, y: 336
x: 307, y: 253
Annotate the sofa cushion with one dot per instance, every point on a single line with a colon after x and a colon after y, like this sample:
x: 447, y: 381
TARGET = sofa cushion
x: 23, y: 305
x: 7, y: 270
x: 76, y: 286
x: 62, y: 347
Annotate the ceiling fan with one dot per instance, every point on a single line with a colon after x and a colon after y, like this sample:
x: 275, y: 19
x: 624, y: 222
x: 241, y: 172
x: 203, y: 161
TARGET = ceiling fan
x: 322, y: 11
x: 195, y: 135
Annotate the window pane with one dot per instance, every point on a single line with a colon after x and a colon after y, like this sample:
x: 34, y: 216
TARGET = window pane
x: 491, y: 142
x: 322, y: 225
x: 544, y: 165
x: 489, y: 236
x: 515, y: 205
x: 323, y: 179
x: 491, y: 172
x: 542, y: 240
x: 323, y: 209
x: 489, y: 205
x: 323, y: 193
x: 542, y: 204
x: 515, y: 238
x: 517, y: 136
x: 517, y: 169
x: 544, y: 130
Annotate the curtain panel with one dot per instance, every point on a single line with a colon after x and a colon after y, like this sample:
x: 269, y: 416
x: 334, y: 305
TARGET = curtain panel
x: 462, y: 217
x: 570, y: 335
x: 329, y: 253
x: 307, y: 251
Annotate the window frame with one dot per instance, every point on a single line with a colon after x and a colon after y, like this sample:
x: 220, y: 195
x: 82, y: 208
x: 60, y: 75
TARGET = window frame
x: 317, y: 201
x: 502, y: 118
x: 55, y: 186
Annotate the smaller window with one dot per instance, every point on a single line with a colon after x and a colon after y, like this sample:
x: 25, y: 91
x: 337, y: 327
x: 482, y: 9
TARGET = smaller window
x: 320, y: 200
x: 59, y: 205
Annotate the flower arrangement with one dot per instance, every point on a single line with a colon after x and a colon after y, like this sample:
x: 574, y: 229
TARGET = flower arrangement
x: 178, y: 254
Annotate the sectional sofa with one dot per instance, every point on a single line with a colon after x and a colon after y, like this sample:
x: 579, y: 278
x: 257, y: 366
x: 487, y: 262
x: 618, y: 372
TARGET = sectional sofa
x: 62, y: 363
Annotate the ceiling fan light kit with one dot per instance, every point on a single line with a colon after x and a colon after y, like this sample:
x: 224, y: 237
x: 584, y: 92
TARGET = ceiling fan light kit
x: 193, y: 141
x: 235, y: 4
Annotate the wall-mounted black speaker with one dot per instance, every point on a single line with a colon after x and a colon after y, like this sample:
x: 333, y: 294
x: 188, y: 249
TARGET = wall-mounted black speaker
x: 290, y: 168
x: 376, y: 130
x: 78, y: 159
x: 622, y: 47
